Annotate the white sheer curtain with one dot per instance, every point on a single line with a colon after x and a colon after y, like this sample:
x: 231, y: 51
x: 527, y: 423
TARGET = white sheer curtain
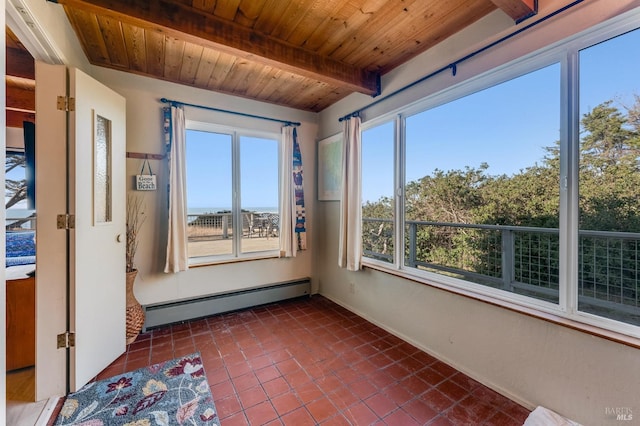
x: 288, y: 243
x: 177, y: 256
x: 350, y: 245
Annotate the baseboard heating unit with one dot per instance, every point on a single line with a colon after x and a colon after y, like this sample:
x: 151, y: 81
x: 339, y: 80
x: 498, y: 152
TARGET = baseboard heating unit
x: 183, y: 310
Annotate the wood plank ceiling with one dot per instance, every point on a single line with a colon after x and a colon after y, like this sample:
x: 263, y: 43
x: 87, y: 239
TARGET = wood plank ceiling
x: 20, y: 81
x: 304, y: 54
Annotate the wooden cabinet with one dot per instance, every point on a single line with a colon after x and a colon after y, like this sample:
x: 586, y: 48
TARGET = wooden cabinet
x: 21, y: 323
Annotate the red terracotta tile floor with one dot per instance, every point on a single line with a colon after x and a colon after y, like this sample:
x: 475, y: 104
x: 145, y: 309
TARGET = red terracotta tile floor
x: 309, y: 361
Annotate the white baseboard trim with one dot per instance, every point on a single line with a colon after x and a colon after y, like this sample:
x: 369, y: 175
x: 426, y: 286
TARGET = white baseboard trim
x: 47, y: 411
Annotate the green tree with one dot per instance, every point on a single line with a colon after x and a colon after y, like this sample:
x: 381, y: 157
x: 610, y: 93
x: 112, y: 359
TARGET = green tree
x: 609, y: 178
x: 377, y: 234
x: 607, y: 139
x: 449, y: 196
x: 528, y: 198
x: 609, y: 172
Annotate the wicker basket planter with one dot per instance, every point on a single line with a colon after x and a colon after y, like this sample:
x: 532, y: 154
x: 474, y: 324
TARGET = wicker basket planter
x: 135, y: 313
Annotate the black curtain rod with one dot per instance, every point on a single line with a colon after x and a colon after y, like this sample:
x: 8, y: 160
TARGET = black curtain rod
x: 177, y: 103
x: 454, y: 65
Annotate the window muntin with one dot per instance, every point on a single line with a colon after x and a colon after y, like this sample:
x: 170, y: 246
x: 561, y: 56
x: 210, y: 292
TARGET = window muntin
x: 377, y: 192
x: 564, y: 156
x: 481, y: 189
x: 609, y: 180
x: 220, y: 163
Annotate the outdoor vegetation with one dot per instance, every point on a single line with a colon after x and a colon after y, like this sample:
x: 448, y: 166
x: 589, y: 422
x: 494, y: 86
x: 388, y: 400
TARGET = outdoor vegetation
x: 464, y: 222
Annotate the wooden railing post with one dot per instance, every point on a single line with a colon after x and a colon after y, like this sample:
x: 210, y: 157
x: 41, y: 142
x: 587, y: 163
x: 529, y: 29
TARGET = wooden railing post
x: 225, y: 226
x: 413, y: 239
x: 508, y: 259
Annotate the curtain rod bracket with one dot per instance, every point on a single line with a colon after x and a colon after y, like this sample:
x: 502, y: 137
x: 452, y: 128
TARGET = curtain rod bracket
x: 378, y: 86
x: 350, y: 116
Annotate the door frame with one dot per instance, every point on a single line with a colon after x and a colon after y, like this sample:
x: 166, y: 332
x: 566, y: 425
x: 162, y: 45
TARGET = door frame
x: 3, y: 298
x: 50, y: 374
x: 80, y: 266
x: 52, y: 262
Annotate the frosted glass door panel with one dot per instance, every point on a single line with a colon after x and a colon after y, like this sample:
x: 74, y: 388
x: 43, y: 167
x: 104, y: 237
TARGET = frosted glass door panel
x: 102, y: 170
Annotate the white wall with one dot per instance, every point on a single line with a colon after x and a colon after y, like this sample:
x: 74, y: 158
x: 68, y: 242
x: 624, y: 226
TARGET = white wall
x: 14, y: 138
x: 144, y: 134
x: 530, y: 360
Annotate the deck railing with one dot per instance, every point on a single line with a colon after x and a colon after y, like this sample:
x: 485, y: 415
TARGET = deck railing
x: 20, y: 224
x: 219, y: 226
x: 522, y: 260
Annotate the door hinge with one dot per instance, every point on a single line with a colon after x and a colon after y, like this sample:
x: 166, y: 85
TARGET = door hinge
x: 66, y: 103
x: 66, y: 221
x: 66, y: 340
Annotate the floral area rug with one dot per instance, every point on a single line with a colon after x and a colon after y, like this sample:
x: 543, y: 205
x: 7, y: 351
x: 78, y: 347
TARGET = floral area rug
x: 175, y: 392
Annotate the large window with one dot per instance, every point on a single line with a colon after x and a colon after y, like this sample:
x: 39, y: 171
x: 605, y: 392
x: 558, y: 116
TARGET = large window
x: 481, y: 187
x: 232, y: 193
x: 521, y: 184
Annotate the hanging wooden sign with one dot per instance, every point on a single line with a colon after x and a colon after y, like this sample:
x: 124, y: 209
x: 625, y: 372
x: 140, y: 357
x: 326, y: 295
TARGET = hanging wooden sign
x: 146, y: 182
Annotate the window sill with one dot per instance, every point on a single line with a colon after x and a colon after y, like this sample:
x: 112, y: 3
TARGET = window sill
x: 213, y: 261
x: 589, y: 329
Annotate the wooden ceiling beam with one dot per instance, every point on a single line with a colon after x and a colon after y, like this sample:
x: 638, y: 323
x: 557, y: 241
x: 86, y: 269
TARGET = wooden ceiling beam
x: 21, y: 99
x: 20, y: 63
x: 518, y: 10
x: 176, y: 19
x: 17, y: 118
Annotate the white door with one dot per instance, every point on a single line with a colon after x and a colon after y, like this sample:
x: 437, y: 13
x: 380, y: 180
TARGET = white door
x: 94, y: 178
x: 98, y: 201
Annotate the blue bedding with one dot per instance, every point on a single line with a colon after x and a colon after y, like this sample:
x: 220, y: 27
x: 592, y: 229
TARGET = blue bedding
x: 21, y: 248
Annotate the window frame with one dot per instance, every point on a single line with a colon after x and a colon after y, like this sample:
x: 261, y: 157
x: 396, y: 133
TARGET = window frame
x: 379, y: 121
x: 566, y: 54
x: 236, y: 133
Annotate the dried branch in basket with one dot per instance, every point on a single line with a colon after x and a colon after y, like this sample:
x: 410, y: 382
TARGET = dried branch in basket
x: 135, y: 219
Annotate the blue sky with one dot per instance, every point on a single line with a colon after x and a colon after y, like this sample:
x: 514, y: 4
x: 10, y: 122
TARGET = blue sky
x: 506, y: 126
x: 209, y: 171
